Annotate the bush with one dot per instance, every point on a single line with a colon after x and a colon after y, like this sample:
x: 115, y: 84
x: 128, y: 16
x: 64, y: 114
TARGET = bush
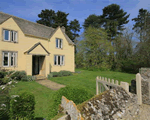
x: 22, y: 106
x: 65, y: 73
x: 4, y: 104
x: 2, y: 74
x: 77, y: 95
x: 10, y: 72
x: 19, y: 75
x: 56, y: 74
x: 5, y: 80
x: 50, y: 75
x: 60, y: 74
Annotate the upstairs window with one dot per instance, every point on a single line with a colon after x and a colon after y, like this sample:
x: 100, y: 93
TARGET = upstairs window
x: 58, y: 43
x: 10, y: 35
x: 58, y: 60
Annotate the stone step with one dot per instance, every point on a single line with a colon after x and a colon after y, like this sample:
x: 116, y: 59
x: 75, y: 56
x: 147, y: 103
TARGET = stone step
x: 40, y: 77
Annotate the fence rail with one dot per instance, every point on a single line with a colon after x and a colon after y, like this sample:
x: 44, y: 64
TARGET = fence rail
x: 103, y: 84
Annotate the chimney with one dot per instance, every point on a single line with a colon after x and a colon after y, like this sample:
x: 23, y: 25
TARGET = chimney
x: 63, y: 29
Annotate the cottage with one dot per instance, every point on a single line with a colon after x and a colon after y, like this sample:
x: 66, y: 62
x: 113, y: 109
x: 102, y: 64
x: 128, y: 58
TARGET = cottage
x: 34, y: 48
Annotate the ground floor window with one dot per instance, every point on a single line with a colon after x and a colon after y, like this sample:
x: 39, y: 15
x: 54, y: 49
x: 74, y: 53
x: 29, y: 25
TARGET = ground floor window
x: 58, y: 59
x: 9, y: 59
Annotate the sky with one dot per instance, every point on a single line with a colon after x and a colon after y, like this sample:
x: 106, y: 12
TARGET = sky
x: 77, y: 9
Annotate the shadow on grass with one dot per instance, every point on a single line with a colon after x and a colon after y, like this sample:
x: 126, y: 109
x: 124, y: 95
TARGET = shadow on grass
x: 39, y: 118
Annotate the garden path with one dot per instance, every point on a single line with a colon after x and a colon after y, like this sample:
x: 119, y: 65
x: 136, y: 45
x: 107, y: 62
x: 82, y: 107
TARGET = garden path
x: 50, y: 84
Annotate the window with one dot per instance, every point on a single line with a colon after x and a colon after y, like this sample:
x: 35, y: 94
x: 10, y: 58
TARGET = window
x: 58, y: 43
x: 10, y: 35
x: 58, y: 60
x: 6, y: 35
x: 9, y: 59
x: 13, y: 59
x: 5, y: 58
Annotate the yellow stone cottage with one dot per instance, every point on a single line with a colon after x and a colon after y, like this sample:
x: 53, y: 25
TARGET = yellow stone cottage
x: 34, y: 48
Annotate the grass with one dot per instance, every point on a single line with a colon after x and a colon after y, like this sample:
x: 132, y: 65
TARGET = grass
x: 85, y: 79
x: 42, y: 95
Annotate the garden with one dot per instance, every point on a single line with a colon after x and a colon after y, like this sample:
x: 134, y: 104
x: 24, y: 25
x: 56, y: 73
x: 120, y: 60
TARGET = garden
x: 19, y: 89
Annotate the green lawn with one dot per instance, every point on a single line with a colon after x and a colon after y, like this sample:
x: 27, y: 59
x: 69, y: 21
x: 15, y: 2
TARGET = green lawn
x: 86, y: 79
x: 43, y: 96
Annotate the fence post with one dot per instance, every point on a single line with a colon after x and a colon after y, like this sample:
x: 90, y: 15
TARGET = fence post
x: 97, y: 85
x: 125, y: 85
x: 138, y: 88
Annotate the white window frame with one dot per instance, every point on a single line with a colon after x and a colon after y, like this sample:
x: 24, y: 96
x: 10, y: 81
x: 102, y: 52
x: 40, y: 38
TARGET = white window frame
x: 9, y: 59
x: 14, y: 59
x: 61, y: 64
x: 10, y: 36
x: 3, y: 59
x: 4, y: 34
x: 59, y: 46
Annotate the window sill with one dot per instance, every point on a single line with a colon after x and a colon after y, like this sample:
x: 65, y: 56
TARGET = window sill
x: 9, y: 41
x: 9, y: 66
x: 59, y: 48
x: 58, y: 65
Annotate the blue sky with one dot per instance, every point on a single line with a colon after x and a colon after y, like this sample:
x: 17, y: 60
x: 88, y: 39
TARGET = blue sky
x: 77, y: 9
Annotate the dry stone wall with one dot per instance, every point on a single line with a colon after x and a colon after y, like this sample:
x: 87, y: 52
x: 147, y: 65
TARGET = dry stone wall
x: 145, y: 75
x: 71, y: 109
x: 112, y: 104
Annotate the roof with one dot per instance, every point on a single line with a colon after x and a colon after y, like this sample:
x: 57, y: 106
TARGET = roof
x: 31, y: 28
x: 34, y: 46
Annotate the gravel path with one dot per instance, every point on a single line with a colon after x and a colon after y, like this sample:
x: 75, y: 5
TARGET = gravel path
x: 50, y: 84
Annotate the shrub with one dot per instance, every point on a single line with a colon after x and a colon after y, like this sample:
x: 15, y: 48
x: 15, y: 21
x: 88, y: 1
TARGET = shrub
x: 4, y: 104
x: 10, y: 72
x: 60, y: 74
x: 55, y: 74
x: 50, y: 75
x: 22, y: 106
x: 77, y: 95
x: 19, y: 75
x: 2, y: 74
x: 65, y: 73
x: 6, y: 80
x: 30, y: 78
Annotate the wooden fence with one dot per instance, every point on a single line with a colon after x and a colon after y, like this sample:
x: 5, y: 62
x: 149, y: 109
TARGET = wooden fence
x: 103, y: 84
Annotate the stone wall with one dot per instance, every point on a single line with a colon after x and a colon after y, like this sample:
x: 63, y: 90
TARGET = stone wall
x: 145, y: 75
x: 112, y: 104
x: 70, y: 108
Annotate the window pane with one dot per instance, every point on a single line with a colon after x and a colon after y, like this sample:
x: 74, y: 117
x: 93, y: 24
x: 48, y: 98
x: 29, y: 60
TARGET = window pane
x: 15, y: 36
x: 12, y: 59
x: 62, y: 61
x: 15, y: 59
x: 55, y: 61
x: 5, y: 59
x: 57, y: 43
x: 6, y: 34
x: 12, y: 36
x: 60, y: 43
x: 58, y: 60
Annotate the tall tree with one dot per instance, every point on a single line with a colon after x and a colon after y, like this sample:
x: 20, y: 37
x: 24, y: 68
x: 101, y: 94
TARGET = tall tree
x: 54, y: 19
x: 114, y: 20
x: 94, y: 48
x: 93, y: 20
x: 47, y: 17
x: 74, y: 26
x: 141, y: 21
